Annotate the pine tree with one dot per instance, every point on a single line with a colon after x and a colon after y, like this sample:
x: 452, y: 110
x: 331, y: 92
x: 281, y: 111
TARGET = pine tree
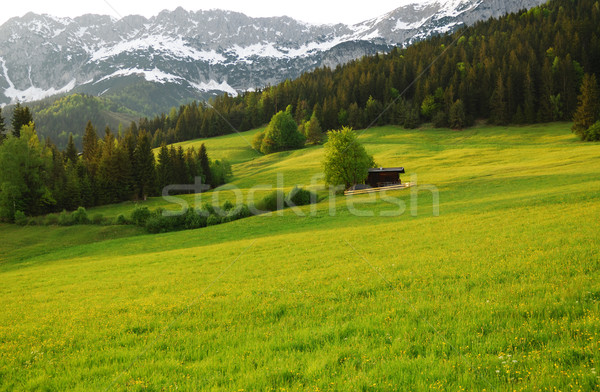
x: 588, y: 110
x: 2, y: 128
x: 90, y: 147
x: 21, y: 117
x: 71, y: 151
x: 164, y: 169
x: 457, y: 115
x: 144, y: 165
x: 314, y: 133
x: 498, y: 104
x: 205, y: 164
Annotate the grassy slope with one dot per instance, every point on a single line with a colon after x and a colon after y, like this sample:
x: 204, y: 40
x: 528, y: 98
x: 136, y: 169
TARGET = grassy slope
x: 500, y: 292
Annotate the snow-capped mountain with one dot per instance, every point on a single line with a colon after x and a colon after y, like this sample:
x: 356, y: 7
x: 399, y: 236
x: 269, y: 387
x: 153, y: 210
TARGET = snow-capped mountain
x: 204, y: 52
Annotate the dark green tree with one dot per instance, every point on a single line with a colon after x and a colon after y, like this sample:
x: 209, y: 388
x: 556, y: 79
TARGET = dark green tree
x: 2, y: 127
x: 21, y: 117
x: 71, y: 151
x: 144, y: 165
x: 314, y: 133
x: 588, y: 109
x: 457, y: 115
x: 205, y: 165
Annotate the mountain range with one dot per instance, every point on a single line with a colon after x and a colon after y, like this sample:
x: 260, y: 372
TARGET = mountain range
x: 180, y: 55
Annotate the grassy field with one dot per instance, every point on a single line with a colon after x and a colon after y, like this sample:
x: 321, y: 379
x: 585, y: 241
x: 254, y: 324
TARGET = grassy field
x: 500, y: 292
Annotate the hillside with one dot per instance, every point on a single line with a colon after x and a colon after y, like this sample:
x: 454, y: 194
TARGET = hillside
x: 498, y: 292
x: 57, y: 118
x: 522, y: 68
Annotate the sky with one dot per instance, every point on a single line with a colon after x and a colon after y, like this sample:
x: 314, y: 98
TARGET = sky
x: 312, y: 11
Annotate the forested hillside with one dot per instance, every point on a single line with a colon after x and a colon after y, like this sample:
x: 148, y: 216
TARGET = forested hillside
x: 523, y: 68
x: 57, y: 118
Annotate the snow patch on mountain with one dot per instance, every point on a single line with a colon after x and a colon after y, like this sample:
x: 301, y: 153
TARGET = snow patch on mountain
x: 173, y: 47
x: 153, y: 75
x: 215, y: 86
x: 31, y: 93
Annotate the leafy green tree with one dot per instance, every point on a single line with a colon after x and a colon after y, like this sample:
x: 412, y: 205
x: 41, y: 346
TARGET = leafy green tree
x: 457, y: 115
x: 346, y: 161
x: 429, y: 107
x: 21, y: 117
x: 25, y: 164
x: 588, y: 110
x: 282, y: 134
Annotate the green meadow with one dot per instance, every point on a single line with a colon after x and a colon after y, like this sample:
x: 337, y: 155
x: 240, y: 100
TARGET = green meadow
x: 496, y: 287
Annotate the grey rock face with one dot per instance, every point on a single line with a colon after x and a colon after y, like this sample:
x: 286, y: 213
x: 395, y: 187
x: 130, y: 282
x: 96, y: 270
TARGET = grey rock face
x: 206, y: 52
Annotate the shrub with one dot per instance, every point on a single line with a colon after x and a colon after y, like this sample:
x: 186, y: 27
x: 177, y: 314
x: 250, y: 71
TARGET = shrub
x: 593, y: 133
x: 20, y: 218
x: 154, y: 224
x: 51, y: 220
x: 140, y: 215
x: 194, y: 220
x: 228, y: 206
x: 271, y: 202
x: 258, y: 140
x: 80, y: 216
x: 213, y: 220
x: 65, y: 219
x: 122, y: 220
x: 98, y: 219
x: 240, y: 212
x: 300, y: 197
x: 33, y: 222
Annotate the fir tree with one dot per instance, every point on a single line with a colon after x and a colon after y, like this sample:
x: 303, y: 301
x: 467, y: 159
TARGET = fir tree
x: 144, y: 165
x: 588, y: 110
x: 498, y: 105
x: 457, y: 115
x: 205, y: 165
x: 21, y: 117
x: 71, y: 151
x: 313, y: 131
x: 2, y: 128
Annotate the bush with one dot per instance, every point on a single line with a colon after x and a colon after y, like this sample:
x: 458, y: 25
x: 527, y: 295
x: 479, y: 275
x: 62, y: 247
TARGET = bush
x: 239, y: 213
x: 65, y: 219
x: 154, y: 224
x: 140, y: 215
x: 98, y: 219
x: 270, y: 202
x: 213, y: 220
x: 80, y: 216
x: 194, y: 220
x: 121, y: 220
x: 20, y: 218
x: 33, y: 222
x: 440, y: 119
x: 51, y: 220
x: 593, y: 133
x: 300, y: 197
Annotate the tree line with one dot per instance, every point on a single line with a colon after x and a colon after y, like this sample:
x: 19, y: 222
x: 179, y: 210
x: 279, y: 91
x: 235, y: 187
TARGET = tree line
x: 37, y: 178
x: 520, y: 69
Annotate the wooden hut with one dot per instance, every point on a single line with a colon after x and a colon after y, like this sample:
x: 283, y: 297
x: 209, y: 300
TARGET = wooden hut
x: 381, y: 177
